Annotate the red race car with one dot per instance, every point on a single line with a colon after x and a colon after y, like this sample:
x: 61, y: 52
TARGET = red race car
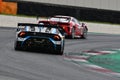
x: 72, y: 27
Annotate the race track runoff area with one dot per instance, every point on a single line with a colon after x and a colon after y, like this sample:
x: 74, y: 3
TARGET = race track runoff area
x: 104, y: 61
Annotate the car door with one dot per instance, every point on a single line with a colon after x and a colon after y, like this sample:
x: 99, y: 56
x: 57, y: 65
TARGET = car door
x: 77, y: 27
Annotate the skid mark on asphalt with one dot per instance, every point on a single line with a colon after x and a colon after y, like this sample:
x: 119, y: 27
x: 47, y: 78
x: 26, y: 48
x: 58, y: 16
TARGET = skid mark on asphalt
x: 81, y: 58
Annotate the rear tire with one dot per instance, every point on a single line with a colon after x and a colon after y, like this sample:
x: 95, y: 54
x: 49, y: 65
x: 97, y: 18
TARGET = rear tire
x: 16, y: 47
x: 73, y: 33
x: 60, y: 50
x: 84, y: 36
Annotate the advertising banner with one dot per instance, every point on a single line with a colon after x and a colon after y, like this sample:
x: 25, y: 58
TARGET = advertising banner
x: 8, y: 8
x: 0, y: 4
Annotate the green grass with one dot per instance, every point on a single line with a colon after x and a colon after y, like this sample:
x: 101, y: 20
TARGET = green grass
x: 109, y: 61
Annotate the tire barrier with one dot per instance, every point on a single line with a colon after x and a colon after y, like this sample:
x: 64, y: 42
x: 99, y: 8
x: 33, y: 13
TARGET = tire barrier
x: 8, y: 8
x: 88, y: 14
x: 32, y: 8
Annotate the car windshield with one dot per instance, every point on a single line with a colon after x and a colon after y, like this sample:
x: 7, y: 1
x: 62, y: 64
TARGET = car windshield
x: 41, y: 29
x: 60, y: 19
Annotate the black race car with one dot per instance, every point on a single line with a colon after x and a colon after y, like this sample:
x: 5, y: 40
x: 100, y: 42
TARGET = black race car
x: 49, y: 38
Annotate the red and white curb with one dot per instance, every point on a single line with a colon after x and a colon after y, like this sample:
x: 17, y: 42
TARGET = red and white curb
x: 83, y: 59
x: 76, y: 58
x: 98, y: 52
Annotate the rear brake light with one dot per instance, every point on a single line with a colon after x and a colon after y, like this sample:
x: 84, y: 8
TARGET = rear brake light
x: 56, y: 37
x: 21, y: 34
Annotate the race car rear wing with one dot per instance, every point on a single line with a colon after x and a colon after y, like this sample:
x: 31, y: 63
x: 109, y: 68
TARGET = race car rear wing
x: 39, y: 25
x: 23, y: 25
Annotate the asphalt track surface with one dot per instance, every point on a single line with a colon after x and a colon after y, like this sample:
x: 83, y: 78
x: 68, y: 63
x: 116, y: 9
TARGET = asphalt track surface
x: 24, y: 65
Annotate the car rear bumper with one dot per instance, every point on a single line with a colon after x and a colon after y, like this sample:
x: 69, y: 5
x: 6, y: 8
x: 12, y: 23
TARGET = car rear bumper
x: 39, y: 44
